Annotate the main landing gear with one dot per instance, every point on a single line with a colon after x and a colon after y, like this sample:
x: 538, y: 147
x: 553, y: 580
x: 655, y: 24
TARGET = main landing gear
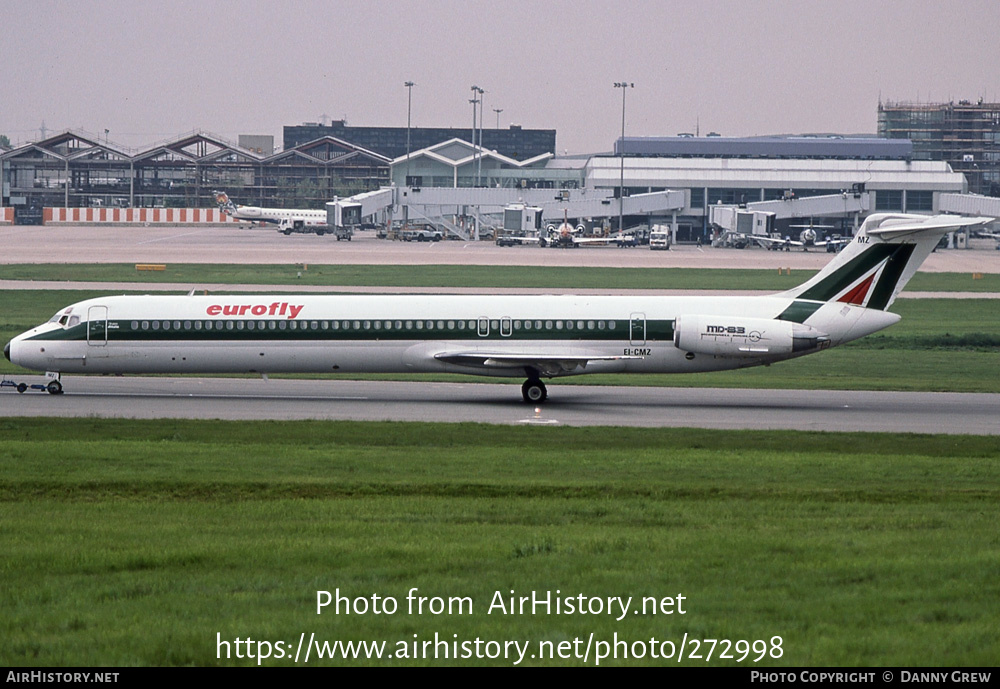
x: 533, y: 390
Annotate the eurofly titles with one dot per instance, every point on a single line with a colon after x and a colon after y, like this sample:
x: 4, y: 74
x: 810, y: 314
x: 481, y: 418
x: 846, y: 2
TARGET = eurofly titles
x: 282, y: 308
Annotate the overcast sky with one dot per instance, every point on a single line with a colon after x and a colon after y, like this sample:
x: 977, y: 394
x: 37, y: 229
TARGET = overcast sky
x: 152, y: 71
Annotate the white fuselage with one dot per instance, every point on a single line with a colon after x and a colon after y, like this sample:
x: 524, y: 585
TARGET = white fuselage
x: 480, y: 335
x: 276, y: 215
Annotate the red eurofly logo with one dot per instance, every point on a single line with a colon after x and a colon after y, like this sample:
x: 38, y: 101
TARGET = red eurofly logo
x: 277, y: 308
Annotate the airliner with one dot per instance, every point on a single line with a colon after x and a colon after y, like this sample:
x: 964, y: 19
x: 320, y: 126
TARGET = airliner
x: 533, y: 337
x: 807, y: 238
x: 288, y: 219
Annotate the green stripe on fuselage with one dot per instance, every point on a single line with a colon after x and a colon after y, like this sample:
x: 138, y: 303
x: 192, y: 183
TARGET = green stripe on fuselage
x: 323, y: 330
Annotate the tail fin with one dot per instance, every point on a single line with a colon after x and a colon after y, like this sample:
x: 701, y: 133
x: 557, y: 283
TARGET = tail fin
x: 873, y: 269
x: 225, y: 205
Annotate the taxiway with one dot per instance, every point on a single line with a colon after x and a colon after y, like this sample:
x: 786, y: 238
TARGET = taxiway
x: 571, y: 405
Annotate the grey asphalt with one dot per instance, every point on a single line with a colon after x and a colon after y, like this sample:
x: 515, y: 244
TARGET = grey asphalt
x: 195, y: 244
x: 570, y: 405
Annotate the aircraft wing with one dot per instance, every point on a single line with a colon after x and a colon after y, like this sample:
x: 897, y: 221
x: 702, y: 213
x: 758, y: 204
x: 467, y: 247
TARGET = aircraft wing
x: 546, y: 363
x: 770, y: 241
x: 594, y: 240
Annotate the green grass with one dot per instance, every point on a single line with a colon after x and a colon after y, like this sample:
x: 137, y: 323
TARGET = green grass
x: 135, y: 542
x: 484, y: 277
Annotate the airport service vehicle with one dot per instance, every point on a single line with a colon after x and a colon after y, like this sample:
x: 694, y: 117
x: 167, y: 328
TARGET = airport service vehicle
x: 659, y: 238
x: 287, y: 226
x: 533, y: 337
x: 421, y: 236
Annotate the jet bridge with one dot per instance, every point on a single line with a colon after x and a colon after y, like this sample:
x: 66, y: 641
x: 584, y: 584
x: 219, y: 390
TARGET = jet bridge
x: 439, y: 205
x: 791, y: 207
x: 970, y: 204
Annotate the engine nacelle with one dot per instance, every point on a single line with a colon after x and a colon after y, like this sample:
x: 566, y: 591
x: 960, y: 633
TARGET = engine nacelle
x: 744, y: 337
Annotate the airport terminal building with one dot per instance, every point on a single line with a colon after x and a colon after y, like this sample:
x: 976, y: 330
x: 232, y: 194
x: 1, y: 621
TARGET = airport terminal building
x: 74, y: 170
x: 78, y: 170
x: 515, y: 142
x: 710, y: 170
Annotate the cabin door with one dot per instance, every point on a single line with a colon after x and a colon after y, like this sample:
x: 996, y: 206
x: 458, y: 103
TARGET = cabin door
x: 637, y: 329
x: 97, y: 325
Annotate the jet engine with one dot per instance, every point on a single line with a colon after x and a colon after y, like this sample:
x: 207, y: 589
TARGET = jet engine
x: 744, y: 337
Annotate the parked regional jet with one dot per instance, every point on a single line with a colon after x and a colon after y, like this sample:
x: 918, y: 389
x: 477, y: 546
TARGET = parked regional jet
x: 568, y: 236
x: 533, y: 337
x: 807, y: 238
x: 289, y: 219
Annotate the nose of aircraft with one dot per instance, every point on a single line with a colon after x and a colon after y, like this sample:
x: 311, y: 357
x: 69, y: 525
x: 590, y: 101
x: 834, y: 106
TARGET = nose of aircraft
x: 6, y: 351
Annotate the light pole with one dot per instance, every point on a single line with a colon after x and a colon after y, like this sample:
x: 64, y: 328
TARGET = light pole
x: 482, y: 108
x: 474, y: 101
x: 498, y: 111
x: 477, y: 152
x: 624, y: 86
x: 409, y: 100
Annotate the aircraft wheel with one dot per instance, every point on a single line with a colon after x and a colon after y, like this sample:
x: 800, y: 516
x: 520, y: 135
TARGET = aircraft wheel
x: 534, y: 391
x: 21, y: 387
x: 54, y: 388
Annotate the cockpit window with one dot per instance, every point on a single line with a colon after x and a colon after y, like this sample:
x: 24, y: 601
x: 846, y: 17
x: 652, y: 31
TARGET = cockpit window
x: 64, y: 320
x: 74, y: 320
x: 55, y: 318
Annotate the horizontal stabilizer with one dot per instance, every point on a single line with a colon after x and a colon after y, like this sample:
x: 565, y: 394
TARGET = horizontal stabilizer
x: 892, y: 228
